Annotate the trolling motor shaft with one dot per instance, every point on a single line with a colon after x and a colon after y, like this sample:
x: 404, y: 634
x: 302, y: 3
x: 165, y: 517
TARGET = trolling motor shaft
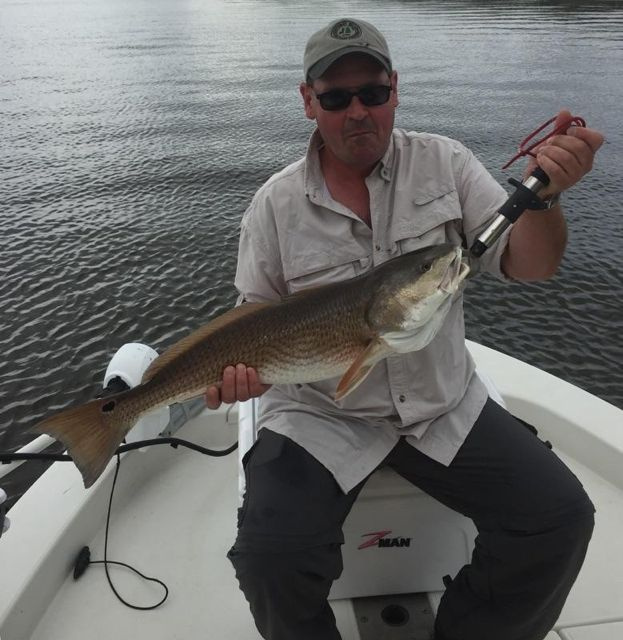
x: 526, y: 196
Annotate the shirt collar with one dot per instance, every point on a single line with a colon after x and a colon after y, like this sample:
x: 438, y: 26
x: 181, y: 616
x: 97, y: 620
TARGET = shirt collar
x: 313, y: 172
x: 314, y: 180
x: 387, y: 161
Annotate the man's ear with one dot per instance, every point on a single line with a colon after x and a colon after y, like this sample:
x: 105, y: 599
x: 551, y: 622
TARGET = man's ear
x: 394, y: 82
x: 307, y: 95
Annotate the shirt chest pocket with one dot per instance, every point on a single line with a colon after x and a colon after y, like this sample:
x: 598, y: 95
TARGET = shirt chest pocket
x: 313, y: 271
x: 431, y: 219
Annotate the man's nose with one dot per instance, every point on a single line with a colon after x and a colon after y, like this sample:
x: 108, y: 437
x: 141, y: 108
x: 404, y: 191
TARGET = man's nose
x: 356, y: 109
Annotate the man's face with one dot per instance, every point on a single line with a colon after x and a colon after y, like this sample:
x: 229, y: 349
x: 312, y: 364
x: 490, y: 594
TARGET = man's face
x: 358, y: 135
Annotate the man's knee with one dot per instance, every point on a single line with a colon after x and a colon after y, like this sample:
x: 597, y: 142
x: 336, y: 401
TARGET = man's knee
x: 517, y: 583
x: 295, y: 576
x: 542, y: 565
x: 567, y: 508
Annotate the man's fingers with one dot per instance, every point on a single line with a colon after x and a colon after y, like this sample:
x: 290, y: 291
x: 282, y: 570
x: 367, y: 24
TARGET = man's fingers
x: 575, y: 146
x: 228, y: 388
x: 239, y: 385
x: 256, y: 388
x: 213, y: 398
x: 562, y: 117
x: 242, y: 383
x: 571, y: 168
x: 592, y: 138
x: 558, y: 179
x: 567, y: 158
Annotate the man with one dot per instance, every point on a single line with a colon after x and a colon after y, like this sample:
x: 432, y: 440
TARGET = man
x: 363, y: 194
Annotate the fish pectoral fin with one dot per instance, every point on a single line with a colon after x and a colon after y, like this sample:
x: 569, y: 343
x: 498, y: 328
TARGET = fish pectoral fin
x: 376, y: 350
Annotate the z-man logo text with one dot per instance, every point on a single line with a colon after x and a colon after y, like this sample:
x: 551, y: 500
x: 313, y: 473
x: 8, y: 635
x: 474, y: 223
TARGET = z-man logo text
x: 379, y: 539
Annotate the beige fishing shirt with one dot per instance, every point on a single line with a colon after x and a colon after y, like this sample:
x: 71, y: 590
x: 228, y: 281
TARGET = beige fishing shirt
x: 427, y: 189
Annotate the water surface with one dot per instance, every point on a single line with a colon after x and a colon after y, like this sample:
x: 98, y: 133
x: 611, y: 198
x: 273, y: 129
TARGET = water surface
x: 133, y: 135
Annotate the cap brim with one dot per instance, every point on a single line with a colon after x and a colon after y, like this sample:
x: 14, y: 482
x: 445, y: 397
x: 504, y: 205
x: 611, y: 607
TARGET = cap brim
x: 319, y: 68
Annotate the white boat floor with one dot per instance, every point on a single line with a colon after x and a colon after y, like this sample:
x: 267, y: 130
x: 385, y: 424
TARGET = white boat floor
x: 177, y: 525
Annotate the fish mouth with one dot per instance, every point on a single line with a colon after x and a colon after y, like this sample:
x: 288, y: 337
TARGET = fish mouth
x: 456, y: 271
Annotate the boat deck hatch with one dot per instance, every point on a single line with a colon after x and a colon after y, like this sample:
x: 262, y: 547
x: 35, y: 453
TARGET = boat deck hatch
x: 396, y: 617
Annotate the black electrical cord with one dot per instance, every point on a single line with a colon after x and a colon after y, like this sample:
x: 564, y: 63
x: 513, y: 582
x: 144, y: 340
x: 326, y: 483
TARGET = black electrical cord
x: 5, y: 458
x: 84, y: 557
x: 106, y: 561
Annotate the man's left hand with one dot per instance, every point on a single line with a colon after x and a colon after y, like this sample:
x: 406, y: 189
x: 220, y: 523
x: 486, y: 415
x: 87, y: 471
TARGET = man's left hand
x: 568, y: 157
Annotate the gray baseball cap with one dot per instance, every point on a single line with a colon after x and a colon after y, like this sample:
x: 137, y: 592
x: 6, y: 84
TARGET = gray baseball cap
x: 339, y: 38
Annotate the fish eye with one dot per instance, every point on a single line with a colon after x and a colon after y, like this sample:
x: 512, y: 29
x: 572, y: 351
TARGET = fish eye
x: 108, y: 407
x: 426, y: 267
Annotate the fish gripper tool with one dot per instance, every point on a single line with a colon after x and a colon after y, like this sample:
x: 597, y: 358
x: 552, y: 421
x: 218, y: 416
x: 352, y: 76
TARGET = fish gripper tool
x: 526, y: 195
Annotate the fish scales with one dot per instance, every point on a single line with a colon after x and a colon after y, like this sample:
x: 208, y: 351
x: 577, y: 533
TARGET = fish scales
x: 278, y: 341
x: 341, y: 328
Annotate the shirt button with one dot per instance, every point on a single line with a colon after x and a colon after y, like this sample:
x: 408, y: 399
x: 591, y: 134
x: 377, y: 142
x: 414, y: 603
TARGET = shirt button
x: 402, y: 397
x: 377, y: 247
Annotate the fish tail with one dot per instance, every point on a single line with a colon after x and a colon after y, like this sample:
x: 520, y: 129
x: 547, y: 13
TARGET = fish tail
x: 91, y: 433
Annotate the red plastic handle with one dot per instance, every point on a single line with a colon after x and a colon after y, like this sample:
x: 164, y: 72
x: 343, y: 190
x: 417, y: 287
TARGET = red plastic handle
x: 527, y: 151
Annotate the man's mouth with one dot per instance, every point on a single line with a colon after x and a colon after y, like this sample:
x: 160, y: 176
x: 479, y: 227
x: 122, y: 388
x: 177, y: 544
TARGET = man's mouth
x: 363, y: 132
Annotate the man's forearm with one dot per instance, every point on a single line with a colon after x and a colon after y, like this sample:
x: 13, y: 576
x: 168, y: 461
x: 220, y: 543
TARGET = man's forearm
x: 536, y: 245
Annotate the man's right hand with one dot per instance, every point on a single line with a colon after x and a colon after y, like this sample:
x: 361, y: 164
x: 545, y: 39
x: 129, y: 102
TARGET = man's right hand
x: 239, y: 384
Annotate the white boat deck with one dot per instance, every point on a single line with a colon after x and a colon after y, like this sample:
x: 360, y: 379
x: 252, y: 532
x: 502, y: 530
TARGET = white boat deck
x: 177, y: 526
x: 174, y: 518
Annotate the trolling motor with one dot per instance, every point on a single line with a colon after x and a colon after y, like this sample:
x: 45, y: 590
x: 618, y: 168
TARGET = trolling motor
x: 526, y: 194
x: 124, y: 371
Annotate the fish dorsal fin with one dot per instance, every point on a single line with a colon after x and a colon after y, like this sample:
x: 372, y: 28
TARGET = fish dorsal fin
x: 376, y: 350
x: 194, y: 338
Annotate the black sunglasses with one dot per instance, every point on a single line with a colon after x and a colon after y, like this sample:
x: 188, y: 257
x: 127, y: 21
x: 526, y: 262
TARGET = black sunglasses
x: 339, y: 99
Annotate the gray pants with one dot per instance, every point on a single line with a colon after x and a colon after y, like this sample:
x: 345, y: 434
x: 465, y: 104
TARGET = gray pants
x: 533, y: 517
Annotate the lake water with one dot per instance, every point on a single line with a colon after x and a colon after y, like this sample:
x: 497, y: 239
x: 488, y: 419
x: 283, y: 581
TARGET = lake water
x: 133, y: 135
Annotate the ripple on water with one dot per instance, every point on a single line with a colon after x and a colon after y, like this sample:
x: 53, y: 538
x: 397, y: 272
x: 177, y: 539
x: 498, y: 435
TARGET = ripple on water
x: 130, y: 148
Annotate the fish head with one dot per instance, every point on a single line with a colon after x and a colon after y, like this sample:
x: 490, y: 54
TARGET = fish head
x: 414, y: 294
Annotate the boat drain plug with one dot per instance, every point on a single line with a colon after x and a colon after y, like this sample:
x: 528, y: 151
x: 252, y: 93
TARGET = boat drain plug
x: 395, y: 615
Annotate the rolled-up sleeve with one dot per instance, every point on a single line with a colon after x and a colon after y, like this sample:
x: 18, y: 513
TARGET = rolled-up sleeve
x: 481, y: 196
x: 259, y: 274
